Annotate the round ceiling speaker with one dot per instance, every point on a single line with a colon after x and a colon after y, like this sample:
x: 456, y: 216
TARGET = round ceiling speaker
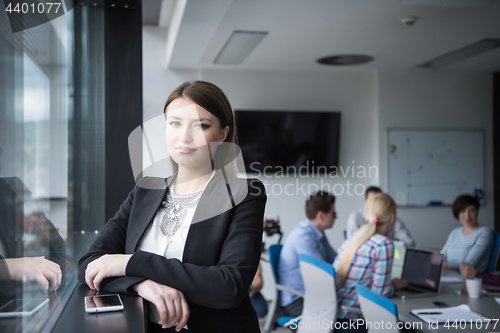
x: 345, y: 59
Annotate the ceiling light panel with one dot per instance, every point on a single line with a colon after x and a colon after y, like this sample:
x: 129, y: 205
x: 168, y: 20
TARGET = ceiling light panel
x: 239, y: 45
x: 466, y: 52
x: 448, y: 3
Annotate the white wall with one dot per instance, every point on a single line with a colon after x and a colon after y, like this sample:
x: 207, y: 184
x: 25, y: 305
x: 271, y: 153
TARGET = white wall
x: 438, y: 99
x: 370, y: 104
x: 354, y: 94
x: 158, y: 81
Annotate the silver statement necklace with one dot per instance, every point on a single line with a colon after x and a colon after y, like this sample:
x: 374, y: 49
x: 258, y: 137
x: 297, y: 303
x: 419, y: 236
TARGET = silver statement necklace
x: 175, y: 207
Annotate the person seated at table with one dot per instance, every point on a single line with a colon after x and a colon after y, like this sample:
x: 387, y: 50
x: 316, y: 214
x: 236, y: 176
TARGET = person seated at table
x: 356, y: 220
x: 471, y: 243
x: 258, y: 301
x: 308, y: 238
x: 469, y: 272
x: 366, y: 258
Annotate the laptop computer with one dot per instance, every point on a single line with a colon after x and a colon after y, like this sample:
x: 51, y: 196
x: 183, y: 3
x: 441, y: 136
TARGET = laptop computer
x: 422, y: 270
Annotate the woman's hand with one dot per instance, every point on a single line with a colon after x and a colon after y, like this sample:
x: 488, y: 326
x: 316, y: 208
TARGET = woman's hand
x: 446, y: 264
x: 106, y: 266
x: 399, y: 283
x: 171, y: 304
x: 256, y: 285
x: 467, y: 271
x: 39, y: 269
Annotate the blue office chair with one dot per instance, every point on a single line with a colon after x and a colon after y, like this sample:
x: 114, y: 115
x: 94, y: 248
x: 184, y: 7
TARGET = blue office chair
x: 273, y: 253
x: 377, y: 309
x: 495, y: 255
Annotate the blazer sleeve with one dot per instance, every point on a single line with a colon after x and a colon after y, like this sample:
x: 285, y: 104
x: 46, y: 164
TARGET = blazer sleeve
x: 224, y: 285
x: 111, y: 240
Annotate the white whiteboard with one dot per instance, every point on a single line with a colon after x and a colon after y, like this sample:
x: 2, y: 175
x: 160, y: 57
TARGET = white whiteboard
x: 434, y: 166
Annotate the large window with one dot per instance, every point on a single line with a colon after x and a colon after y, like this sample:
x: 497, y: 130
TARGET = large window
x: 52, y: 156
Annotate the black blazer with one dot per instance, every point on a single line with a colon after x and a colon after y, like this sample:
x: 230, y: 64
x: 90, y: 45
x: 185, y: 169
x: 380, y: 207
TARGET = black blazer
x: 221, y: 253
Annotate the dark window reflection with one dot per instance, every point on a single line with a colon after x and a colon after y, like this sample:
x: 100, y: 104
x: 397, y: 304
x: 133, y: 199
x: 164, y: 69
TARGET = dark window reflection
x: 51, y: 158
x: 35, y: 256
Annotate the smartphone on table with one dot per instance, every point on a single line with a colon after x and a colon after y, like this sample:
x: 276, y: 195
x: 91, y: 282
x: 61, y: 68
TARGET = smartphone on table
x: 103, y: 303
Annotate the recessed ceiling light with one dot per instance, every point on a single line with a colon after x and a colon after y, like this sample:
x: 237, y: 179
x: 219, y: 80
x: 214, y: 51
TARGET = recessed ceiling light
x: 345, y: 59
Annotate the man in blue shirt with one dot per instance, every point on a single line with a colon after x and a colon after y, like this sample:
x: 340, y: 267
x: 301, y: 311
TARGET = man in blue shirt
x: 306, y: 238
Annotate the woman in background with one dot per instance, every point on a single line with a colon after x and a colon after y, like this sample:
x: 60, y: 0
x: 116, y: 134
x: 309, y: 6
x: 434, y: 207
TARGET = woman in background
x: 366, y: 258
x: 471, y: 243
x: 189, y: 244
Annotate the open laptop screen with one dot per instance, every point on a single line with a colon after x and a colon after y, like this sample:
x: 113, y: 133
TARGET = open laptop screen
x: 423, y: 269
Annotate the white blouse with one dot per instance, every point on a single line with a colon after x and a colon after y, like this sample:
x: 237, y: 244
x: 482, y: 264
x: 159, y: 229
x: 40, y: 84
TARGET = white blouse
x: 155, y: 241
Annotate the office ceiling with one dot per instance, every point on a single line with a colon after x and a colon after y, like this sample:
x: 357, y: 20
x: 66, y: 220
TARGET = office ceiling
x: 151, y: 12
x: 301, y: 31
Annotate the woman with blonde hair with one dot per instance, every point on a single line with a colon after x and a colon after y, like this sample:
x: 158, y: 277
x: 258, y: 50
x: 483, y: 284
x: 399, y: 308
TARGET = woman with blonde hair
x: 366, y: 257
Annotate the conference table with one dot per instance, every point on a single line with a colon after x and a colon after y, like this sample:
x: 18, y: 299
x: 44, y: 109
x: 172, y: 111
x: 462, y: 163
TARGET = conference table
x: 69, y: 316
x: 74, y: 319
x: 451, y: 294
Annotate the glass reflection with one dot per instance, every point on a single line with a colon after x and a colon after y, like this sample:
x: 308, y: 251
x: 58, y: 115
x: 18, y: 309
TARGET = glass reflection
x: 45, y: 109
x: 40, y: 257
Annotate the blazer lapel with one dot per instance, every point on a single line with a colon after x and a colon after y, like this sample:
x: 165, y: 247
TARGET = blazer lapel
x: 146, y: 204
x: 214, y: 201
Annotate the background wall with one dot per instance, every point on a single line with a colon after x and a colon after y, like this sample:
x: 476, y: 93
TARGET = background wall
x: 370, y: 103
x: 438, y: 99
x: 354, y: 94
x: 158, y: 81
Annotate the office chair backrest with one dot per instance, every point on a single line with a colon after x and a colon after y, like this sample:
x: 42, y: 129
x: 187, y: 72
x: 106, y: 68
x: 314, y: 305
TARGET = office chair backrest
x: 273, y: 253
x: 377, y: 309
x: 495, y: 254
x: 320, y: 297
